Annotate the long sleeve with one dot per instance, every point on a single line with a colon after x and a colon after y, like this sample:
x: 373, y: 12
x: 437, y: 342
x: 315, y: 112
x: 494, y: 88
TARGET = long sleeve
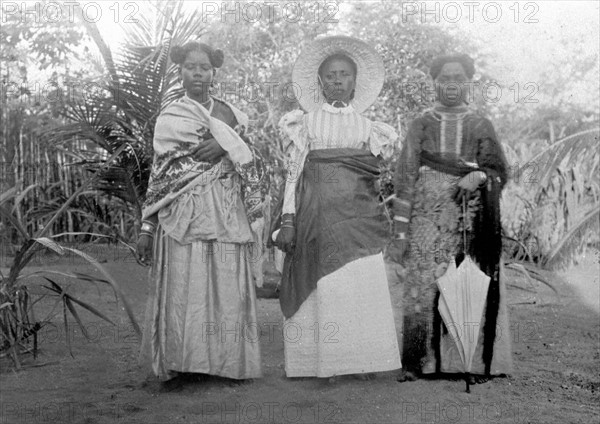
x: 293, y: 165
x: 407, y: 169
x: 490, y: 155
x: 293, y: 128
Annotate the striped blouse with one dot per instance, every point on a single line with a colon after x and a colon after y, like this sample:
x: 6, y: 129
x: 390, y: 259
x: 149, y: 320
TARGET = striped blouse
x: 329, y: 128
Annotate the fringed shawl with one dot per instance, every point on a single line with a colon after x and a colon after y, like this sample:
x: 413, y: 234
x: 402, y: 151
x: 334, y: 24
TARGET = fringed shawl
x: 179, y: 130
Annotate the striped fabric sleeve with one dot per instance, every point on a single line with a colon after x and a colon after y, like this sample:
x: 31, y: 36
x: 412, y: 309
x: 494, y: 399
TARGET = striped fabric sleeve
x: 293, y: 128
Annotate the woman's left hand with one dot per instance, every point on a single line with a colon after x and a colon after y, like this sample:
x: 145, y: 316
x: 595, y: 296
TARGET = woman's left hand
x: 397, y: 250
x: 144, y: 249
x: 209, y: 151
x: 472, y: 180
x: 469, y: 183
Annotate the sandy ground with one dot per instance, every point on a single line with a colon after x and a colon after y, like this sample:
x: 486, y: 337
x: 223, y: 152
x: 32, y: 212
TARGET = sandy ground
x: 556, y: 351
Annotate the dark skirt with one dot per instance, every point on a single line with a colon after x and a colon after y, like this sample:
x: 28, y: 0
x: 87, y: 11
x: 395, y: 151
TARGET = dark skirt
x: 338, y: 220
x: 441, y: 232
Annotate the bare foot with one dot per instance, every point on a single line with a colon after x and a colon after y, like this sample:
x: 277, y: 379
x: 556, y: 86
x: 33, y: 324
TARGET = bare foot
x: 479, y: 379
x: 406, y: 376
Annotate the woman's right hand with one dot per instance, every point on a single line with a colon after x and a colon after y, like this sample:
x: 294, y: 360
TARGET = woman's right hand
x: 144, y: 248
x: 397, y: 250
x: 399, y: 245
x: 209, y: 151
x: 286, y: 239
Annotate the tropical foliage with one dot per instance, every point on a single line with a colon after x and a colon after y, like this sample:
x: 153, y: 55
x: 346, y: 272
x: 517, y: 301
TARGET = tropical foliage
x: 551, y: 208
x: 76, y: 159
x: 18, y: 323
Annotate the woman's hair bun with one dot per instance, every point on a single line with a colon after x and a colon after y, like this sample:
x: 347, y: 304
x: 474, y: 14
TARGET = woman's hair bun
x: 217, y: 57
x: 179, y: 53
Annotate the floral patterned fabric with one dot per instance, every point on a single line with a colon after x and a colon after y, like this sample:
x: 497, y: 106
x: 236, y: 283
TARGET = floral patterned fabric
x: 202, y: 260
x: 179, y: 129
x: 201, y: 200
x: 439, y: 233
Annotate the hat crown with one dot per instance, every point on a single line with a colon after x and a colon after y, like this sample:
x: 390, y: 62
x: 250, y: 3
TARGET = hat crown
x: 369, y: 78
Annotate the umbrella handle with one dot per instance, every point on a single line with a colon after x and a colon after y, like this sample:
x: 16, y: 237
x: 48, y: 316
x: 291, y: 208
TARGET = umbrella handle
x: 467, y: 381
x: 464, y: 211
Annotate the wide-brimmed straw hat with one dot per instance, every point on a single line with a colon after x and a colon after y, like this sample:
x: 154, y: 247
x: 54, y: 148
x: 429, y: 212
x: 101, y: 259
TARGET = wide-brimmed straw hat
x: 369, y: 78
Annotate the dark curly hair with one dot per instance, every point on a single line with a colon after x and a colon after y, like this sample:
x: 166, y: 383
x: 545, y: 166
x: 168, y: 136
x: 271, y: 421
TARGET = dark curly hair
x: 465, y: 61
x: 179, y: 53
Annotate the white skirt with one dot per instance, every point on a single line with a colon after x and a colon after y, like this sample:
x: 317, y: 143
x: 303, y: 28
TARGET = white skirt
x: 346, y: 326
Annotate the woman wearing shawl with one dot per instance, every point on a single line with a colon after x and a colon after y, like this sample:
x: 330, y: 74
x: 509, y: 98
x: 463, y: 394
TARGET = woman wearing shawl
x: 334, y: 291
x: 450, y: 152
x: 201, y: 313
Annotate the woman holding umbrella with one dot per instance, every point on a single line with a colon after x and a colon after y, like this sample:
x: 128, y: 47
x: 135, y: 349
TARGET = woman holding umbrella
x: 334, y: 290
x: 448, y: 182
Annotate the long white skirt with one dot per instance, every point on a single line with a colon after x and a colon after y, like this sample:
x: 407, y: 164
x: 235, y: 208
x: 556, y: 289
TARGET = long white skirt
x: 346, y: 326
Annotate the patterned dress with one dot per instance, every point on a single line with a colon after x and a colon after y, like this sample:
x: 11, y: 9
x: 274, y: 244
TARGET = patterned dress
x: 201, y: 311
x: 441, y: 231
x: 343, y: 324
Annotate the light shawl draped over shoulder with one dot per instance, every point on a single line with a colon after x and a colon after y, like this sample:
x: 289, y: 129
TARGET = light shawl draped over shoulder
x: 179, y: 131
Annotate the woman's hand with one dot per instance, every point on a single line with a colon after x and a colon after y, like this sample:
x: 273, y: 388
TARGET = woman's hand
x: 397, y: 250
x: 472, y: 180
x: 399, y: 245
x: 468, y: 184
x: 144, y: 249
x: 209, y: 151
x: 286, y: 239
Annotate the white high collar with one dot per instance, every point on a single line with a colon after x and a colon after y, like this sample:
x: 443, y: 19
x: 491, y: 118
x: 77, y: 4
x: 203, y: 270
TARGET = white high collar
x: 337, y: 110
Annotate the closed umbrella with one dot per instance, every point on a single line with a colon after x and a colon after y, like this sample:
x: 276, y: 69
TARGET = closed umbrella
x: 463, y: 294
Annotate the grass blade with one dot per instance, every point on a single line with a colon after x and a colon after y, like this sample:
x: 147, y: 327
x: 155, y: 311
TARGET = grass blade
x: 90, y: 308
x: 67, y: 336
x: 76, y: 316
x: 116, y: 287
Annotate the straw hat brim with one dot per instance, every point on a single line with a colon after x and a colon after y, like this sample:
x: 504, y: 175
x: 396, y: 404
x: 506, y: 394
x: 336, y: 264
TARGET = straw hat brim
x: 369, y: 78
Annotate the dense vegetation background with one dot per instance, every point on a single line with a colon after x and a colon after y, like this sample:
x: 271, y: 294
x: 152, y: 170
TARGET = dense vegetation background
x: 77, y: 116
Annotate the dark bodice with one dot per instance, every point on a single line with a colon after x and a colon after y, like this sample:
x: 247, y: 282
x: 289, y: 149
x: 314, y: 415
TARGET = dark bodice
x: 477, y: 143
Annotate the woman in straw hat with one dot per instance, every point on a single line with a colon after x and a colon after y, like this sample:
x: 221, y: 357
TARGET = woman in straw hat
x: 451, y: 156
x: 334, y: 290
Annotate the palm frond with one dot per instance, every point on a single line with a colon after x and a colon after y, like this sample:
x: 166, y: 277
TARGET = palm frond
x: 94, y: 33
x: 566, y: 153
x: 119, y: 181
x: 565, y: 250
